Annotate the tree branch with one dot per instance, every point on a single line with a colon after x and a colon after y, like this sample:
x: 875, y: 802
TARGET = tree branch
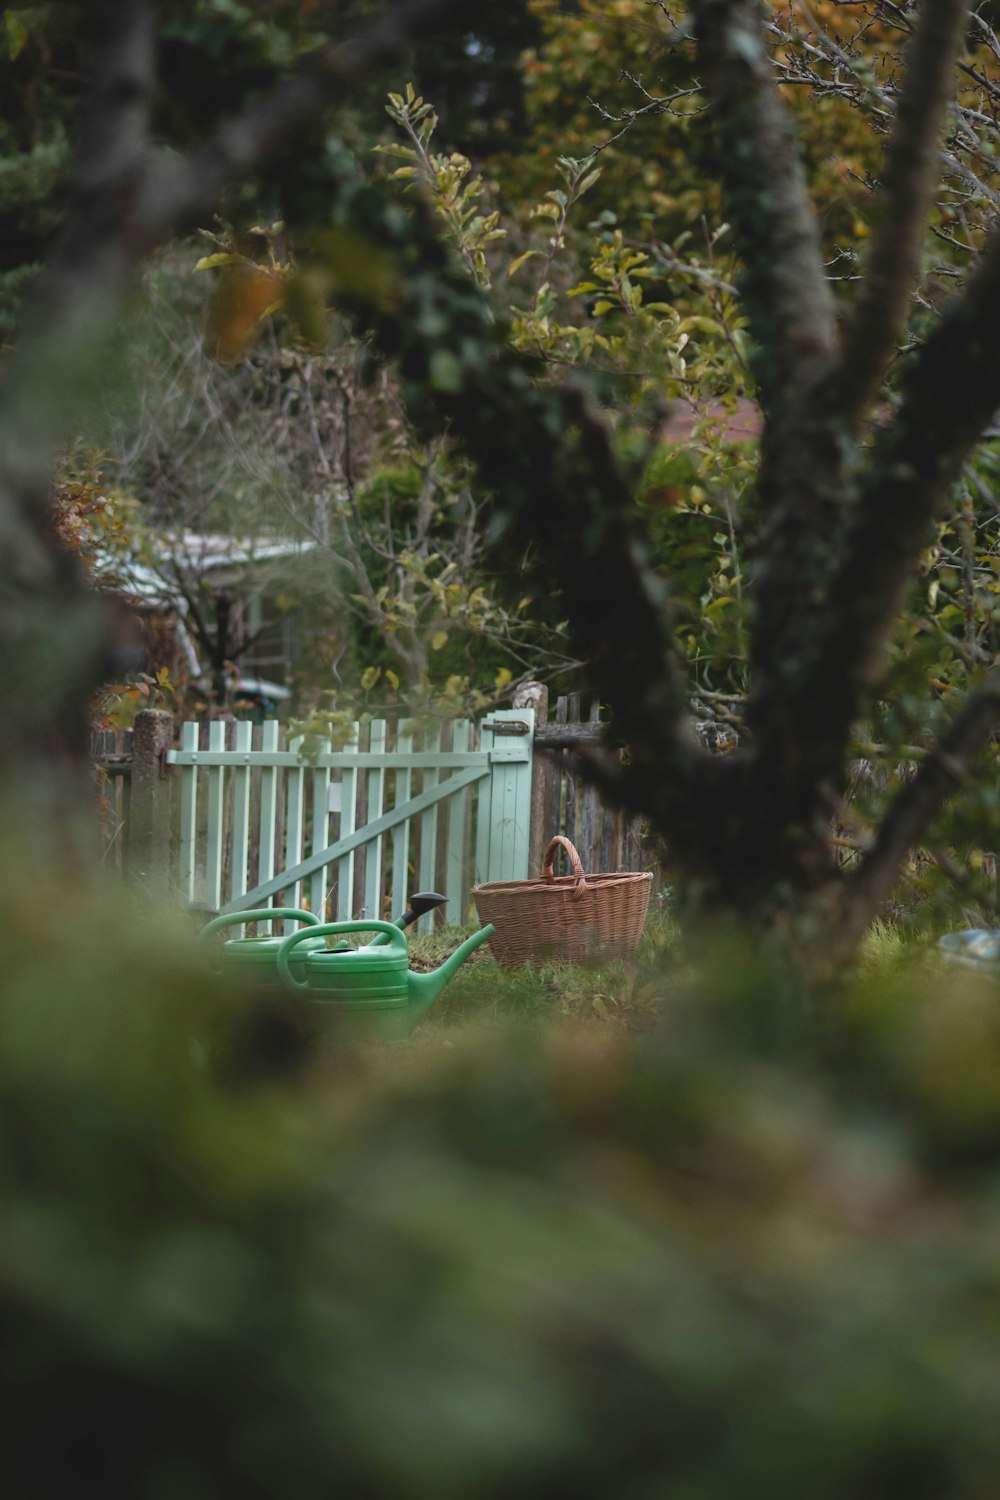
x: 909, y: 179
x: 56, y: 638
x: 950, y: 393
x: 788, y: 301
x: 804, y: 488
x: 943, y: 768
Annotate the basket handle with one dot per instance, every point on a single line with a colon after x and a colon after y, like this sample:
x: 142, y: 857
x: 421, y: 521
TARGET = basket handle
x: 579, y: 878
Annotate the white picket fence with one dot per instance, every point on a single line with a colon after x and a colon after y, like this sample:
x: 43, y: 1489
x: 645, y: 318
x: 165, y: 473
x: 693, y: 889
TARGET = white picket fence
x: 353, y: 831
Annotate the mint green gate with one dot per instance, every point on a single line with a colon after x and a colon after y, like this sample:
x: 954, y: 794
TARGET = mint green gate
x: 349, y: 832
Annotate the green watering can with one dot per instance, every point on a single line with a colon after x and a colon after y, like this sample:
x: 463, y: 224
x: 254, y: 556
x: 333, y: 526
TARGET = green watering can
x: 371, y: 992
x: 253, y: 961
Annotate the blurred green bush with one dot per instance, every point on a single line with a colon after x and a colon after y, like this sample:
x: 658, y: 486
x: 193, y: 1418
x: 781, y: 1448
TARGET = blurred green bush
x: 750, y: 1253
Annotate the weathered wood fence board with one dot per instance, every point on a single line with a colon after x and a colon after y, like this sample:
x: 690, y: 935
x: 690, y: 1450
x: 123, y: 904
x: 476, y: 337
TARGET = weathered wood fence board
x: 111, y: 756
x: 133, y: 794
x: 564, y: 801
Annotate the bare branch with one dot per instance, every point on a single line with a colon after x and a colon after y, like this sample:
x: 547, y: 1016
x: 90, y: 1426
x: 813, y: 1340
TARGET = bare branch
x: 943, y: 768
x: 911, y: 173
x: 950, y: 393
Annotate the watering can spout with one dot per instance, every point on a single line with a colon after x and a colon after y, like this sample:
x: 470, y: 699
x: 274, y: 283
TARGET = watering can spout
x: 425, y: 988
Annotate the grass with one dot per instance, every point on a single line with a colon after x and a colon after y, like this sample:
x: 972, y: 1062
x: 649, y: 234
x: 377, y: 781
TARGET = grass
x: 885, y: 947
x: 620, y: 992
x: 621, y: 997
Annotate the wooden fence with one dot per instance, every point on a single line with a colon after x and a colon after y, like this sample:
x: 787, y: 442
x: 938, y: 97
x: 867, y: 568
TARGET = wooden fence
x: 132, y: 794
x: 349, y: 831
x: 564, y: 801
x: 111, y: 756
x: 237, y: 818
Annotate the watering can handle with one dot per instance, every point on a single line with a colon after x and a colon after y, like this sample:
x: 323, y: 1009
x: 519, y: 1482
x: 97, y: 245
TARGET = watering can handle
x: 259, y: 914
x: 393, y: 939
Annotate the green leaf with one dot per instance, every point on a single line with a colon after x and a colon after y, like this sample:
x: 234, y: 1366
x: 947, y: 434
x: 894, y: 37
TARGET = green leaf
x: 404, y: 153
x: 516, y: 265
x: 220, y: 258
x: 17, y: 34
x: 439, y: 639
x: 700, y: 324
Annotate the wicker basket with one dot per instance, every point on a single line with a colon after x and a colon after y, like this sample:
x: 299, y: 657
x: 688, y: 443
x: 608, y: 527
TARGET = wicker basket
x: 564, y: 918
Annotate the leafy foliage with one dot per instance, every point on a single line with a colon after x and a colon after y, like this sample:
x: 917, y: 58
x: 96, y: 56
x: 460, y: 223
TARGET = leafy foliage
x: 456, y: 191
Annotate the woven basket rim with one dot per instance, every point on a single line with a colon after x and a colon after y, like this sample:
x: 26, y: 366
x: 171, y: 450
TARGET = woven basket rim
x: 562, y: 883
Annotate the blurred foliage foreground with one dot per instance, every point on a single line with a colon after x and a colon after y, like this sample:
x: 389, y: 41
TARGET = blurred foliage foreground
x: 750, y: 1249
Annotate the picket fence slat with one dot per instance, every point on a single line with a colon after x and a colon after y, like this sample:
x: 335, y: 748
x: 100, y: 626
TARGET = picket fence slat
x: 401, y: 833
x: 481, y: 856
x: 458, y: 809
x: 319, y: 839
x: 216, y: 813
x: 294, y: 831
x: 345, y: 867
x: 268, y: 825
x: 241, y: 813
x: 188, y: 852
x: 429, y: 827
x: 376, y: 804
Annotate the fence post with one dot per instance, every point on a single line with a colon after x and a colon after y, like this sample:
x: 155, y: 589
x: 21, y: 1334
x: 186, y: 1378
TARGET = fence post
x: 149, y: 802
x: 536, y: 695
x: 506, y: 809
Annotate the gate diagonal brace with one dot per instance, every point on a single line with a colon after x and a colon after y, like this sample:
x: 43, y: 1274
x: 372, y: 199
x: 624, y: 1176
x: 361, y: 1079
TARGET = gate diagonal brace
x: 384, y: 824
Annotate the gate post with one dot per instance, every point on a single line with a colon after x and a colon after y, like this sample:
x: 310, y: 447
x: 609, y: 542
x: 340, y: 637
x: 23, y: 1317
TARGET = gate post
x: 149, y: 798
x: 536, y: 695
x: 505, y: 800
